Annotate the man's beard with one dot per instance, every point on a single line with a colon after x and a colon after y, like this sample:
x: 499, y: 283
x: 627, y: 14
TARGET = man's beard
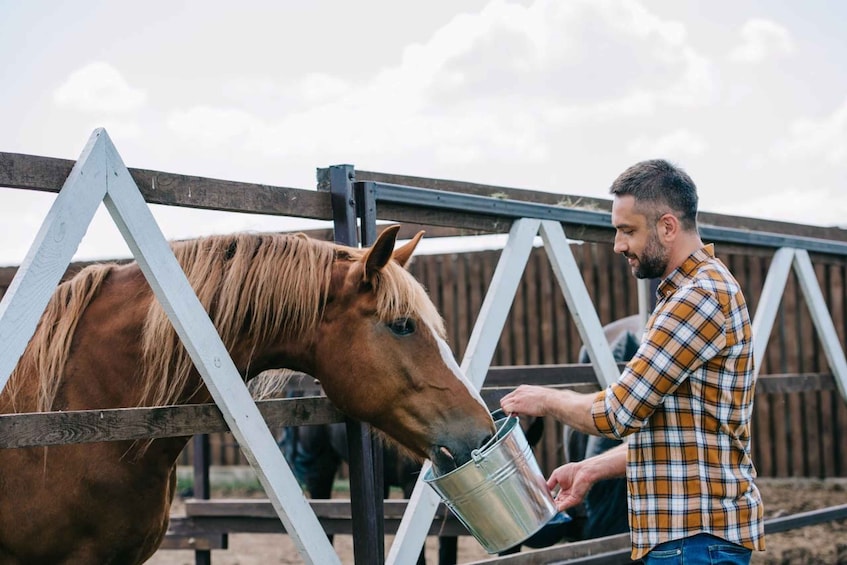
x: 653, y: 261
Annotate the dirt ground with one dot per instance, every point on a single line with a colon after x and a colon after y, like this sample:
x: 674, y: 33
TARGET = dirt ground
x: 824, y: 544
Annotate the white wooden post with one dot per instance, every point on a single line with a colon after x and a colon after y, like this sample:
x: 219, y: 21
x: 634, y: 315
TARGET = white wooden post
x: 771, y: 297
x: 768, y: 304
x: 643, y: 292
x: 579, y: 302
x: 52, y: 252
x: 821, y: 318
x: 411, y: 534
x: 49, y: 255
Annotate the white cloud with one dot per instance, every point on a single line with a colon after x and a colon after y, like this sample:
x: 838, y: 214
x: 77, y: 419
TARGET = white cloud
x: 761, y: 39
x: 99, y: 87
x: 593, y: 54
x: 317, y: 88
x: 826, y: 137
x: 677, y: 144
x: 491, y: 85
x: 119, y: 129
x: 211, y: 126
x: 314, y: 88
x: 788, y: 205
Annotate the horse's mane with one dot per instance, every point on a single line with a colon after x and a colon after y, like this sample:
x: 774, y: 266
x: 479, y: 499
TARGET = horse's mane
x: 45, y: 356
x: 258, y: 287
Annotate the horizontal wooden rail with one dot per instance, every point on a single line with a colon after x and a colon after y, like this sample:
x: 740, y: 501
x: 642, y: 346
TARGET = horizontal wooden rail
x: 616, y: 549
x: 580, y: 218
x: 195, y: 542
x: 82, y: 426
x: 208, y: 518
x: 121, y: 424
x: 579, y: 202
x: 48, y: 174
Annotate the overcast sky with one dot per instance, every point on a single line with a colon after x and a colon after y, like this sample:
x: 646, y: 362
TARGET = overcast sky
x: 750, y: 97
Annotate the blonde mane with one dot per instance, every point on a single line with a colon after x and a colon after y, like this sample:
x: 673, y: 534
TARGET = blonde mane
x: 47, y: 352
x: 256, y: 287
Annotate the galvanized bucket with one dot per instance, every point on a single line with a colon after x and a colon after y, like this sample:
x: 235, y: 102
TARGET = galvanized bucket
x: 500, y: 495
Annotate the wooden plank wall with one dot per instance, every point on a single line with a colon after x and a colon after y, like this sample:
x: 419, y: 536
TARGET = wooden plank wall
x: 796, y: 434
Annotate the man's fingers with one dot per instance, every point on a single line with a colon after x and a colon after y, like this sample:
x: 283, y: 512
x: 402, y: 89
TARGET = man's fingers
x: 563, y: 502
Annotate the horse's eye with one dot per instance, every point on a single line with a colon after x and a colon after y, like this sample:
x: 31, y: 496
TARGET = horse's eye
x: 402, y: 326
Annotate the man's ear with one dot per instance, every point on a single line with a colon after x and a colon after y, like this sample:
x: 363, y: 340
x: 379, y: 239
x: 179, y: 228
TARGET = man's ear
x: 668, y: 227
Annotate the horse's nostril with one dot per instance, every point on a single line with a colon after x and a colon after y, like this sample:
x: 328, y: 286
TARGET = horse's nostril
x: 444, y: 461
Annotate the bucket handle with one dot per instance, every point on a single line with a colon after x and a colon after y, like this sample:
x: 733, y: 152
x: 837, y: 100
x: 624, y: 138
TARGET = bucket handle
x: 478, y: 453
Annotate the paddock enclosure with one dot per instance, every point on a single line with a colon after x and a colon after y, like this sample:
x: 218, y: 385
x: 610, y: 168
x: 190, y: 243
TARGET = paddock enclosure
x: 800, y: 414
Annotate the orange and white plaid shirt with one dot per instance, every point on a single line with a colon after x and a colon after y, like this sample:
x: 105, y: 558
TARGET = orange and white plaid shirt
x: 688, y: 392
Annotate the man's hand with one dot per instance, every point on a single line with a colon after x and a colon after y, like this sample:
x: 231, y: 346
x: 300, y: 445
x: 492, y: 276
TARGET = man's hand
x: 575, y: 479
x: 526, y: 400
x: 567, y: 406
x: 573, y: 483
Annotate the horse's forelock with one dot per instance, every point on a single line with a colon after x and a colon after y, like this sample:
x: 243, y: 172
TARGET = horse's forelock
x: 400, y: 295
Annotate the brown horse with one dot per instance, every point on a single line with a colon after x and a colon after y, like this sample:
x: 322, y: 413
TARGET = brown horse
x: 354, y: 319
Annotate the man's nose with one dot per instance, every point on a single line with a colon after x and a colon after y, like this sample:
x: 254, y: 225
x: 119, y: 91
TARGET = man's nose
x: 619, y: 246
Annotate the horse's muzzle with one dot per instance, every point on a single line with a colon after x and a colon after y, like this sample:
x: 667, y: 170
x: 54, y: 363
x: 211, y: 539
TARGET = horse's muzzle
x: 456, y: 450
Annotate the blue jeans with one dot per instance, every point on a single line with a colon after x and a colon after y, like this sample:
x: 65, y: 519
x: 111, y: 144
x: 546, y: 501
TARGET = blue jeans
x: 700, y: 549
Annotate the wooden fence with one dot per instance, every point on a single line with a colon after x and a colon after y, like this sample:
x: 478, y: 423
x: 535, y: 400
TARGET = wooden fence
x: 800, y: 420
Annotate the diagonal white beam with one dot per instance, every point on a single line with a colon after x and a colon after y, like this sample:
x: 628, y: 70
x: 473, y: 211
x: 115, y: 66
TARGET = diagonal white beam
x: 201, y: 339
x: 579, y: 302
x: 821, y: 318
x: 423, y: 502
x: 50, y: 254
x: 768, y: 305
x: 644, y: 292
x: 498, y: 300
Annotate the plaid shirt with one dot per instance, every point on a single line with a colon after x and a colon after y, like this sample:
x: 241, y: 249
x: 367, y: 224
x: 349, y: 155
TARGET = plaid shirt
x: 688, y: 392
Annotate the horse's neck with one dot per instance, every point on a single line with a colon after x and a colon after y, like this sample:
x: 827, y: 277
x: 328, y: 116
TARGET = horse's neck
x: 295, y: 355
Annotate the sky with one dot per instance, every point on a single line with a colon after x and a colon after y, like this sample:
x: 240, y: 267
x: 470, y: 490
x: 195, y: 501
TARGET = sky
x: 749, y: 97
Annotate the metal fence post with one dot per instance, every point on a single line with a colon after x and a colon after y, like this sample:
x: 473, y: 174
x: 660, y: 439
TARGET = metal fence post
x: 365, y: 454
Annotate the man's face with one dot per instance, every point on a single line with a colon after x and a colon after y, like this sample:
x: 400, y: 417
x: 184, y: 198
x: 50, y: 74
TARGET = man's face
x: 638, y: 240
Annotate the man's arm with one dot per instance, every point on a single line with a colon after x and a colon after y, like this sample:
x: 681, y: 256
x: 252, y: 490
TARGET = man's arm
x: 575, y: 479
x: 567, y: 406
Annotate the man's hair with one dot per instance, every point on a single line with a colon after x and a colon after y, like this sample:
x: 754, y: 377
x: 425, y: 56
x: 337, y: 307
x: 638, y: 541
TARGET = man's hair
x: 659, y: 184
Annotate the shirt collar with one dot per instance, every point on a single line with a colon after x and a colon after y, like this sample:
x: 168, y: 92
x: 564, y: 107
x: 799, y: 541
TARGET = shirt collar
x: 684, y: 272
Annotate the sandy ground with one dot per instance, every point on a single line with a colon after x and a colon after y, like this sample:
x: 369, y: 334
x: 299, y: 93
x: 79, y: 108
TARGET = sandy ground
x: 824, y: 544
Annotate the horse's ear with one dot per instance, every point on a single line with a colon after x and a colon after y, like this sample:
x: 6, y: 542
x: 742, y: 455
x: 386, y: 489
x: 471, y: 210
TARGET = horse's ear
x: 403, y: 254
x: 379, y: 254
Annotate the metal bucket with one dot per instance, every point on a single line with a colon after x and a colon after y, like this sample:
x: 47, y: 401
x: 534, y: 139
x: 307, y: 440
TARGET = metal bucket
x: 500, y: 495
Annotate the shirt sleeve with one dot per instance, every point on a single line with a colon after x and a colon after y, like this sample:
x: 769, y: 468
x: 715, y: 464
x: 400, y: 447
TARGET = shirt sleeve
x: 685, y: 332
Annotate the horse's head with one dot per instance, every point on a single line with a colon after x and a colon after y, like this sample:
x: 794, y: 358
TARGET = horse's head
x: 381, y: 357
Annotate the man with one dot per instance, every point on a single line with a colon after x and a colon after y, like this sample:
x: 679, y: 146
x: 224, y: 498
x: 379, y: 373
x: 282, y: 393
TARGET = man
x: 686, y: 396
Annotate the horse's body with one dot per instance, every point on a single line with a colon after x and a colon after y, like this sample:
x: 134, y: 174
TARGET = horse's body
x: 353, y: 319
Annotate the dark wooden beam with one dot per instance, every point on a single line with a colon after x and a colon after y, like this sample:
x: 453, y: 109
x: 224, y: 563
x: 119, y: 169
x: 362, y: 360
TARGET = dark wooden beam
x: 81, y: 426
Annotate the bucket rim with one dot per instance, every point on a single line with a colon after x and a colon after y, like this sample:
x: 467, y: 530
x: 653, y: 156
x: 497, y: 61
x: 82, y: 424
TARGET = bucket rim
x: 477, y: 455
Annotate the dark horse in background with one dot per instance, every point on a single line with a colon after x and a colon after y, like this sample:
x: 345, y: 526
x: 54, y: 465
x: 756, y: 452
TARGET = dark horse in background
x: 317, y: 452
x: 355, y: 319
